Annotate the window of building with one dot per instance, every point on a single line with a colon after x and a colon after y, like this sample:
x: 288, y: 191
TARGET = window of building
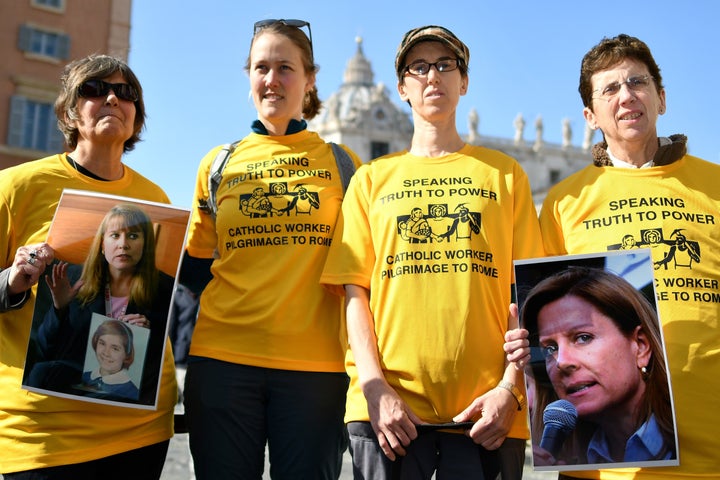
x: 33, y: 125
x: 54, y: 5
x: 44, y: 43
x: 378, y: 149
x: 555, y: 176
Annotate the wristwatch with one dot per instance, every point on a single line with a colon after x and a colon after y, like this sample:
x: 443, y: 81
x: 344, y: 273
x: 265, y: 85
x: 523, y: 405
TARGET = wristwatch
x: 519, y: 397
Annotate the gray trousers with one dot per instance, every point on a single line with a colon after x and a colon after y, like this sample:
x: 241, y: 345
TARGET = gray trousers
x: 449, y: 456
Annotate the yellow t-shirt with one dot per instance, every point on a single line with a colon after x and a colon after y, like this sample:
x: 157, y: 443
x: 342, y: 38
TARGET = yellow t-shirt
x: 42, y: 431
x: 675, y: 211
x: 277, y: 207
x: 434, y: 240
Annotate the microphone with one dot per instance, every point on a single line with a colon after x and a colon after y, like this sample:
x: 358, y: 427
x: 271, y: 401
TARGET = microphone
x: 559, y: 418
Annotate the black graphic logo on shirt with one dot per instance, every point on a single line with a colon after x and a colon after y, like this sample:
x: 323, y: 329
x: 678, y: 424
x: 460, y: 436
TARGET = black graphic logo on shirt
x: 679, y: 252
x: 279, y: 201
x: 439, y: 224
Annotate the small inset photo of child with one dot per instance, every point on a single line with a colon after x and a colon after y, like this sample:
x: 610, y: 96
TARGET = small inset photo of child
x: 114, y: 358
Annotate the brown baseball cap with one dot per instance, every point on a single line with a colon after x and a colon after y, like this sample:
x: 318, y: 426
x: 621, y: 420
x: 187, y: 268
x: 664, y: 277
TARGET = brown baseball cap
x: 429, y: 33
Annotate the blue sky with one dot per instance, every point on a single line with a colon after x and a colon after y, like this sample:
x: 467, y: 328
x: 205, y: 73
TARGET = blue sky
x: 525, y: 58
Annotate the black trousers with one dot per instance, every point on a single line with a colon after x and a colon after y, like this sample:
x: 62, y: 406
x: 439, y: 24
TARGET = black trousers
x: 144, y: 463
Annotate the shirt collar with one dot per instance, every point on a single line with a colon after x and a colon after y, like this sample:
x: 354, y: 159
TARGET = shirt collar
x: 112, y: 379
x: 623, y: 164
x: 294, y: 126
x: 645, y: 444
x: 662, y: 142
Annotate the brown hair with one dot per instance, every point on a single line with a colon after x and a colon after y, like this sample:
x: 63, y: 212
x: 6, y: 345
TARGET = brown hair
x: 116, y: 327
x: 610, y: 52
x: 311, y: 102
x: 88, y: 68
x: 95, y: 270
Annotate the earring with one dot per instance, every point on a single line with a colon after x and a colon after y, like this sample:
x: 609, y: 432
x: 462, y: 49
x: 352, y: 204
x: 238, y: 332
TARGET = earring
x: 644, y: 370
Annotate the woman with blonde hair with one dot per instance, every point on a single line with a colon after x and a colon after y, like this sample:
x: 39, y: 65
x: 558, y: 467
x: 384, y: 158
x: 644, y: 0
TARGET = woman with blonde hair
x: 139, y: 273
x: 118, y: 280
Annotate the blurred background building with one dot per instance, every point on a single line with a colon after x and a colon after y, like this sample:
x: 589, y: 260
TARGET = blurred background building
x: 362, y: 115
x: 39, y: 37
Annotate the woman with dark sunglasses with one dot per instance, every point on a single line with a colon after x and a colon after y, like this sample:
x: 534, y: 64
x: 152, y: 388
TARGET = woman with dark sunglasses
x: 101, y: 113
x: 266, y: 361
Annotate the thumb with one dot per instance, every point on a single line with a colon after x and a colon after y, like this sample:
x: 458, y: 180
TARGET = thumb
x: 513, y: 317
x: 466, y: 415
x: 413, y: 417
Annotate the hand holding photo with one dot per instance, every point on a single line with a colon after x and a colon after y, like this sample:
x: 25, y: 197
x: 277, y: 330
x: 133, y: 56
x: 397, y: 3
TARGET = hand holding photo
x: 101, y: 313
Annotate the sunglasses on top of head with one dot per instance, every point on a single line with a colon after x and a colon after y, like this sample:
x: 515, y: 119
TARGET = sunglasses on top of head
x: 100, y: 88
x: 260, y: 24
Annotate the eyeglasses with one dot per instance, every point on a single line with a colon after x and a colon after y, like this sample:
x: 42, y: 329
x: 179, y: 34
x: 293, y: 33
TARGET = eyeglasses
x: 421, y: 68
x: 100, y: 88
x: 635, y: 84
x: 260, y: 24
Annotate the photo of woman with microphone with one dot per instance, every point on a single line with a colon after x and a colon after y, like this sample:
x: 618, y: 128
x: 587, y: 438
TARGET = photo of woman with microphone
x: 598, y: 379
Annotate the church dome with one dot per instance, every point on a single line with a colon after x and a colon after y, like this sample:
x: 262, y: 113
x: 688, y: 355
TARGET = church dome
x: 358, y: 70
x: 359, y: 103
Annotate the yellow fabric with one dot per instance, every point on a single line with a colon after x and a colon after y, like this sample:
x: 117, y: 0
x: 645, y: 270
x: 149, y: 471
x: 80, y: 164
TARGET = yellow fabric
x: 440, y: 307
x: 264, y: 306
x: 41, y: 431
x: 592, y: 211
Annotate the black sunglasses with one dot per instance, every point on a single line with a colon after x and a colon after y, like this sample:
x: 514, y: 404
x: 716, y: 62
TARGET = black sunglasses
x: 259, y: 25
x: 100, y: 88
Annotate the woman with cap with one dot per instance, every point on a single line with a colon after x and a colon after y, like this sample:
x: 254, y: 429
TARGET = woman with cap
x: 426, y: 319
